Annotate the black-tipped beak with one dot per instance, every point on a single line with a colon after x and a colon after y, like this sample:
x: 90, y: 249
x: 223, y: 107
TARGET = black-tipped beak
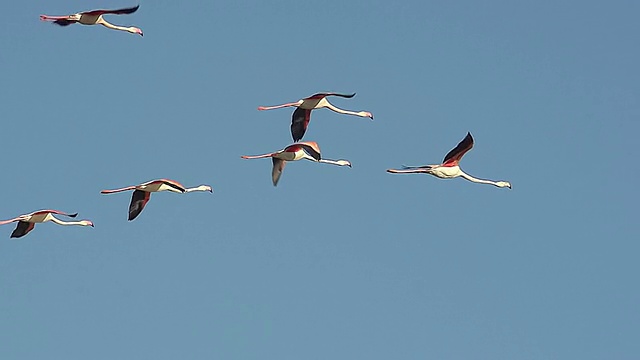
x: 211, y: 191
x: 141, y: 34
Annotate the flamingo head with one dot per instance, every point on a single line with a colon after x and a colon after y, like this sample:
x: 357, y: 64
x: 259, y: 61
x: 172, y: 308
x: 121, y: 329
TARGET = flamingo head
x: 503, y: 184
x: 343, y: 163
x: 86, y: 223
x: 206, y: 188
x: 135, y: 30
x: 366, y: 114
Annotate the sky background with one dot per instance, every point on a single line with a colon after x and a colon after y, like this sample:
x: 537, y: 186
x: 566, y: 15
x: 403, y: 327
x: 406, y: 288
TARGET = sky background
x: 334, y: 263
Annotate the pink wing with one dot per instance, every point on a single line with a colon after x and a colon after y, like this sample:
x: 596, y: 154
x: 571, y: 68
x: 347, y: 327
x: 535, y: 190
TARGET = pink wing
x: 54, y: 212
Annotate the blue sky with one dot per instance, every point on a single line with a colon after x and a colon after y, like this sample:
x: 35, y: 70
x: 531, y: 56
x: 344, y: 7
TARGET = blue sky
x: 334, y: 263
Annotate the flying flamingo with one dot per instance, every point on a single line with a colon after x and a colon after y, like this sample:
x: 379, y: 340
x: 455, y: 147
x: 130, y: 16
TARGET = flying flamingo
x: 94, y: 17
x: 142, y: 193
x: 27, y: 222
x: 303, y: 150
x: 449, y: 168
x: 302, y: 115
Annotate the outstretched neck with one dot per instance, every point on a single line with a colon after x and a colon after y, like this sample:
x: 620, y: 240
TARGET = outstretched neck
x: 336, y: 162
x: 60, y: 222
x: 480, y: 181
x: 330, y: 106
x: 109, y: 25
x: 199, y: 188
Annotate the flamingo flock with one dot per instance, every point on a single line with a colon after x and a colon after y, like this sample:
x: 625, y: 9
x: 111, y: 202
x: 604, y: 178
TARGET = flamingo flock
x: 299, y: 150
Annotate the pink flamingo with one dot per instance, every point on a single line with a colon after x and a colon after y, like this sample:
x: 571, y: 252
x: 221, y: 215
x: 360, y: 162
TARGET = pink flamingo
x: 303, y: 150
x: 94, y: 17
x: 302, y: 115
x: 27, y: 222
x: 142, y: 193
x: 450, y: 166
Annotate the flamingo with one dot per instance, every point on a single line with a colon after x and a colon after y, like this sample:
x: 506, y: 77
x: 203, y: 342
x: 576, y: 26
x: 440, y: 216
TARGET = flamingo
x: 302, y: 115
x: 27, y: 222
x: 303, y: 150
x: 142, y: 193
x: 94, y: 17
x: 450, y: 166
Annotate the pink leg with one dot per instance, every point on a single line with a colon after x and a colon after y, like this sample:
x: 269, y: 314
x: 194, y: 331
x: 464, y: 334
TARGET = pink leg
x: 117, y: 190
x: 52, y: 18
x: 257, y: 156
x: 277, y: 106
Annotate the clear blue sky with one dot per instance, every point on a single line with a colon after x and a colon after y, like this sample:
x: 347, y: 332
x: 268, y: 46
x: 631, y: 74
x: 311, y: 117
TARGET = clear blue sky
x: 334, y: 263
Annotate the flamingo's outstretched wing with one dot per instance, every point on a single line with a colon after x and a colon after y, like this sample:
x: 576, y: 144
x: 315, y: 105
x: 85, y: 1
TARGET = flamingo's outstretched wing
x: 138, y: 200
x: 22, y: 229
x: 299, y: 122
x: 276, y: 172
x: 130, y: 10
x: 312, y: 149
x: 453, y: 157
x: 57, y: 212
x: 323, y: 95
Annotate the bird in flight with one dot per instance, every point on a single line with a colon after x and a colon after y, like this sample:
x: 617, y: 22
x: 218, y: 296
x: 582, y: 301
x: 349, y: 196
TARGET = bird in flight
x: 27, y: 222
x: 302, y: 115
x: 450, y: 167
x: 142, y: 193
x: 308, y: 150
x: 94, y: 17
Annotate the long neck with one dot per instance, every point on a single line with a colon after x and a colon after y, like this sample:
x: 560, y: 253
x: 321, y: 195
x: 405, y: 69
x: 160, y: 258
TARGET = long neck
x: 329, y: 106
x: 476, y: 180
x: 60, y: 222
x: 334, y: 162
x: 198, y: 188
x: 105, y: 23
x: 409, y: 170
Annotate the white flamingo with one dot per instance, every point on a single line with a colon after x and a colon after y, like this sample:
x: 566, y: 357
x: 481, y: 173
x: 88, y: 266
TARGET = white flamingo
x: 450, y: 166
x: 94, y: 17
x: 302, y: 115
x: 142, y: 193
x: 27, y: 222
x: 308, y: 150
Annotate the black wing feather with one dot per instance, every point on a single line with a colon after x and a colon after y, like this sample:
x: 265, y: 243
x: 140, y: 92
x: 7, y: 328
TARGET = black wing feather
x: 22, y: 229
x: 322, y: 95
x: 311, y: 151
x: 456, y: 154
x: 299, y: 123
x: 124, y: 11
x: 138, y: 201
x: 64, y: 22
x: 276, y: 172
